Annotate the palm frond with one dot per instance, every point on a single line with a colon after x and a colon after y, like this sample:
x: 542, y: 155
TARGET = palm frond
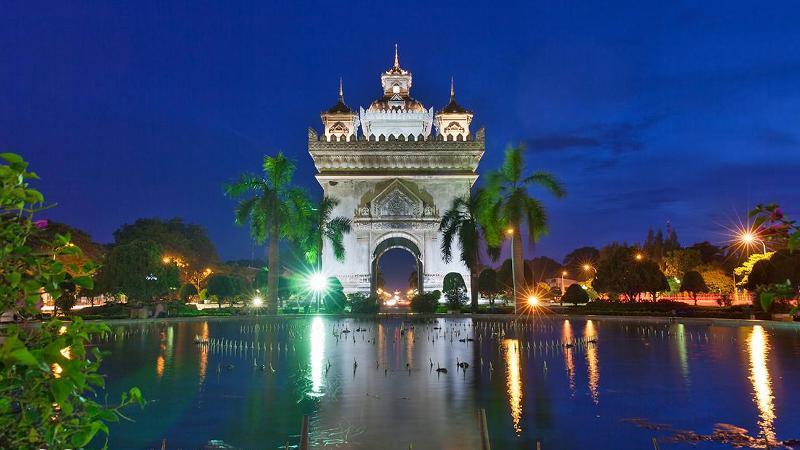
x: 512, y: 164
x: 547, y: 181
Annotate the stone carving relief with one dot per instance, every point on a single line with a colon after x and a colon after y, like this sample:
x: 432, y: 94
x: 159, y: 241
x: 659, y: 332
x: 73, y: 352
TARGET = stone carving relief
x: 397, y: 204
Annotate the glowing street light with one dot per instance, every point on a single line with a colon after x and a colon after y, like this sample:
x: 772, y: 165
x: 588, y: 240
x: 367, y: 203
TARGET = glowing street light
x: 639, y: 256
x: 257, y: 301
x: 749, y: 238
x: 533, y: 300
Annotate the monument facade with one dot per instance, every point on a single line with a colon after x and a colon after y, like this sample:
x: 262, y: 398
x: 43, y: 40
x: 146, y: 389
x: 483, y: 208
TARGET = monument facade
x: 395, y: 168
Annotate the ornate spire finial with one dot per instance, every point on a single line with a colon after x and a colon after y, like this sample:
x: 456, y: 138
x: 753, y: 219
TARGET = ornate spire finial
x: 396, y: 59
x: 341, y: 92
x: 452, y: 88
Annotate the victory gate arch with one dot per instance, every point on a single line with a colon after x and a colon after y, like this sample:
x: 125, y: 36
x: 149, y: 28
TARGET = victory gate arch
x: 395, y: 168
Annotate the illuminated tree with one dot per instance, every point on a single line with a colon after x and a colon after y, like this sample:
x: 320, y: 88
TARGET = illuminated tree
x: 693, y: 283
x: 678, y: 262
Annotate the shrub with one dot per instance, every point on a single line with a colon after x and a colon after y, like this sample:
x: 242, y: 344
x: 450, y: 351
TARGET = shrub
x: 46, y: 399
x: 334, y: 298
x: 426, y: 303
x: 576, y: 294
x: 456, y: 299
x: 186, y: 292
x: 361, y: 303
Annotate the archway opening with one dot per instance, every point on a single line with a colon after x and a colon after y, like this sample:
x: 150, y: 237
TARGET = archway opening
x: 398, y: 275
x: 397, y: 271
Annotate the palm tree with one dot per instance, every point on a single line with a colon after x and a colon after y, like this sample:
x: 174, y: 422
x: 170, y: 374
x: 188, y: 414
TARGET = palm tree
x: 328, y: 228
x: 461, y: 222
x: 413, y: 279
x: 275, y: 211
x: 506, y: 206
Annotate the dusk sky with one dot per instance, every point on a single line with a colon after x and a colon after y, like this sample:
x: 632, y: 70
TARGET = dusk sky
x: 648, y: 112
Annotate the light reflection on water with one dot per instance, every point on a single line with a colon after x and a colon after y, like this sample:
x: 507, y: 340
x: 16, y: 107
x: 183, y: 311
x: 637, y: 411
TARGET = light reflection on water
x: 317, y: 339
x: 514, y: 382
x: 569, y: 361
x: 758, y: 347
x: 592, y: 362
x: 394, y: 398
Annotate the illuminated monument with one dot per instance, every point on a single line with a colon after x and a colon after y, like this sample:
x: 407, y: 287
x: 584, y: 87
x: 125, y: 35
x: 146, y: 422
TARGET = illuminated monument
x: 394, y: 178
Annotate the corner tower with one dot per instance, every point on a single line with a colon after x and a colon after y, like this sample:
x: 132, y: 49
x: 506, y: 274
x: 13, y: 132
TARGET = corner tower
x: 452, y: 122
x: 339, y: 122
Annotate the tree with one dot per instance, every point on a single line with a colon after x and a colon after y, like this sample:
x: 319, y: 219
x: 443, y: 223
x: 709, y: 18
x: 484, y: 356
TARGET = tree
x: 709, y: 253
x: 618, y: 271
x: 488, y: 285
x: 575, y: 294
x: 544, y: 267
x: 506, y: 279
x: 460, y: 223
x: 653, y: 279
x: 221, y: 287
x: 678, y: 262
x: 185, y: 245
x: 505, y: 204
x: 743, y: 272
x: 43, y: 398
x: 453, y: 280
x: 187, y: 292
x: 577, y: 260
x: 717, y: 280
x: 274, y: 209
x: 692, y: 282
x: 325, y: 228
x: 136, y: 270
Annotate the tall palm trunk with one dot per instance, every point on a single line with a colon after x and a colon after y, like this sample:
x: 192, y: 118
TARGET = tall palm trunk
x: 473, y: 282
x: 272, y: 275
x: 519, y: 266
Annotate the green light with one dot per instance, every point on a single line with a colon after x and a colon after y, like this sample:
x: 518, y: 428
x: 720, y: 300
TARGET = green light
x: 318, y: 282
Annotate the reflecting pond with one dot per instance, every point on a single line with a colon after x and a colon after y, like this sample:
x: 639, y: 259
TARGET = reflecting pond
x: 568, y: 384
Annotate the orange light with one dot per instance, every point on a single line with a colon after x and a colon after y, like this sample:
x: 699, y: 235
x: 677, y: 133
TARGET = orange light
x: 564, y: 273
x: 533, y: 300
x: 586, y: 267
x: 165, y: 260
x: 510, y: 231
x: 639, y: 256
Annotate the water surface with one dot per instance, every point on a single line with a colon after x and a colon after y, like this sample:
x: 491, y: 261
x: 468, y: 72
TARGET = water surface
x: 569, y: 384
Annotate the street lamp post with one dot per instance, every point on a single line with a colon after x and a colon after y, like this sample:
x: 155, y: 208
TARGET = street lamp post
x: 510, y: 232
x: 561, y: 298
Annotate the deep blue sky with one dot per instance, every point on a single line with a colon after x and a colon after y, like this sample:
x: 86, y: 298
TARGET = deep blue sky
x: 649, y: 112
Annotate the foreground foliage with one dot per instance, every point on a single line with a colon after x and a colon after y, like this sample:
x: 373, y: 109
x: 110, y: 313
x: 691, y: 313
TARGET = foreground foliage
x: 48, y: 381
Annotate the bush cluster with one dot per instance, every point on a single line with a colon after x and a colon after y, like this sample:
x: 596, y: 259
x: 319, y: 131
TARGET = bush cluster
x: 426, y: 303
x: 361, y: 303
